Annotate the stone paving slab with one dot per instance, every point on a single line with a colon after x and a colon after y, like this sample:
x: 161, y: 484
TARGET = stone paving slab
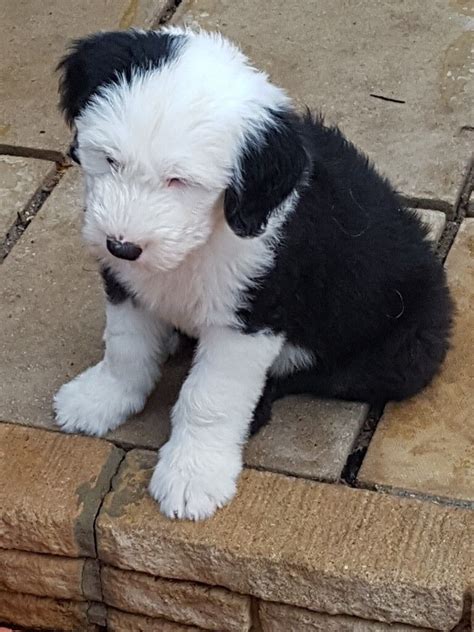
x: 333, y: 55
x: 277, y: 617
x: 51, y: 487
x: 307, y: 437
x: 43, y: 613
x: 426, y: 444
x: 323, y: 547
x: 34, y: 38
x: 49, y: 575
x: 19, y: 179
x: 50, y: 292
x: 181, y: 602
x: 118, y: 621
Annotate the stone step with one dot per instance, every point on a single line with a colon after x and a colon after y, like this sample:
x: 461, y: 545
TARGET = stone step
x: 49, y: 575
x: 51, y: 488
x: 323, y: 547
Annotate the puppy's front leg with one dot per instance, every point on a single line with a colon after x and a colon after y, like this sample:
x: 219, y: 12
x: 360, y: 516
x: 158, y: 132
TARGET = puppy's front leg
x: 103, y: 396
x: 199, y: 466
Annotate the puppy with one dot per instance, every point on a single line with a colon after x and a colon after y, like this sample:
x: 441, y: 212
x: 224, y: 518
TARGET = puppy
x: 216, y: 210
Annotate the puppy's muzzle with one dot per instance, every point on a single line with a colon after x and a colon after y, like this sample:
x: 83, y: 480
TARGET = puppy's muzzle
x: 123, y: 249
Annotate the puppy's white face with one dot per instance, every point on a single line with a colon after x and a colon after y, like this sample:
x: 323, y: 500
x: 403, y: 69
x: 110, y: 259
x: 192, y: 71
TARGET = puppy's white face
x: 159, y: 148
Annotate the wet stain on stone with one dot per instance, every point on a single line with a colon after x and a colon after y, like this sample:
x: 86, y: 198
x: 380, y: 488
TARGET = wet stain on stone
x: 89, y: 498
x: 122, y: 499
x: 457, y: 70
x: 129, y: 15
x: 4, y: 129
x: 470, y: 246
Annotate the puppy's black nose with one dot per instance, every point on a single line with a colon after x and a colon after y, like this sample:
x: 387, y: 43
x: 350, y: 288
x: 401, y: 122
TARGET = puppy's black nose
x: 123, y: 249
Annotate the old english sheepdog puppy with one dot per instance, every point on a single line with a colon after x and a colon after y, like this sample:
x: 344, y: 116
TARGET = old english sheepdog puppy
x: 216, y: 210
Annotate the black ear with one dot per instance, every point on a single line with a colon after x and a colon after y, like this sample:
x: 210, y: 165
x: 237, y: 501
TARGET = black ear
x: 270, y: 168
x: 105, y: 58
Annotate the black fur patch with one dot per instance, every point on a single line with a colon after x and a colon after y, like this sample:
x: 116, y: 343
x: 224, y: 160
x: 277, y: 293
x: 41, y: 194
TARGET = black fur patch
x: 116, y: 292
x: 101, y: 59
x: 270, y: 170
x: 355, y: 282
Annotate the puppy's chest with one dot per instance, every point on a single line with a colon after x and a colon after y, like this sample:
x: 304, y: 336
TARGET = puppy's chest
x: 192, y: 298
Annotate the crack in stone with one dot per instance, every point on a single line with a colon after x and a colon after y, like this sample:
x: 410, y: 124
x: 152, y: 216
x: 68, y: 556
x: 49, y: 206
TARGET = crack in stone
x: 32, y: 152
x: 166, y: 14
x: 31, y: 209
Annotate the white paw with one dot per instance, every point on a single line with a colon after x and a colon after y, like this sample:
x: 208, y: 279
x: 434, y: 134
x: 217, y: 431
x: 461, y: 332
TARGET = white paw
x: 192, y: 481
x: 95, y: 402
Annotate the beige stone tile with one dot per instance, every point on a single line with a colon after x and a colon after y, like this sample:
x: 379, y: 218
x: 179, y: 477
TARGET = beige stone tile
x: 333, y: 55
x: 313, y: 545
x: 51, y: 309
x: 307, y: 437
x: 51, y: 487
x: 43, y: 613
x: 118, y: 621
x: 49, y: 575
x: 426, y: 444
x: 277, y: 617
x: 34, y: 37
x: 181, y: 602
x: 19, y: 179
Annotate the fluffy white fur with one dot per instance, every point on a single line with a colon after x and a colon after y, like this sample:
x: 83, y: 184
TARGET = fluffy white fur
x: 137, y: 343
x: 173, y: 137
x: 199, y: 465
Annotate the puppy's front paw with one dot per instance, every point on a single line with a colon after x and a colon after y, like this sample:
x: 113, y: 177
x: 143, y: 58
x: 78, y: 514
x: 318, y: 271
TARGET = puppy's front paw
x: 95, y: 402
x: 192, y: 481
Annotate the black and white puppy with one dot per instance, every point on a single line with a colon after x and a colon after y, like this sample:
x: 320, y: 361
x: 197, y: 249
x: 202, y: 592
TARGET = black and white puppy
x: 216, y: 210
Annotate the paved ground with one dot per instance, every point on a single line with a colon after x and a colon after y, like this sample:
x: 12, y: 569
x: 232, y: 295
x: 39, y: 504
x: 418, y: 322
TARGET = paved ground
x: 305, y: 554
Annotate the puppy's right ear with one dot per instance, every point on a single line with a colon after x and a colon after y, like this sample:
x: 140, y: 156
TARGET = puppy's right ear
x: 92, y: 62
x: 106, y: 58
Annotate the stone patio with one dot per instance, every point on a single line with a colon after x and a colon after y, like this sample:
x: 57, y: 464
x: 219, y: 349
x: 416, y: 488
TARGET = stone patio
x: 345, y: 520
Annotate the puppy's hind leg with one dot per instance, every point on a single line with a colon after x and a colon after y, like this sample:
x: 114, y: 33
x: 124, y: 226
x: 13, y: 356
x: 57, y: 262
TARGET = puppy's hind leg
x: 103, y: 396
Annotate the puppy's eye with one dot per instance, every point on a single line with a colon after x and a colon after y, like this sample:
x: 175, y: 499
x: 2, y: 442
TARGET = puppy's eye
x: 112, y: 162
x: 175, y: 182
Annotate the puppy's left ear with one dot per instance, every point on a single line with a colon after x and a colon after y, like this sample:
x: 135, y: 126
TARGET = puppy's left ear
x: 271, y: 166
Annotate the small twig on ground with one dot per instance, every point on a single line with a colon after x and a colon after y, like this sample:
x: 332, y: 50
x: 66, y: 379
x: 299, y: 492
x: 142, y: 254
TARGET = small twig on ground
x: 392, y: 100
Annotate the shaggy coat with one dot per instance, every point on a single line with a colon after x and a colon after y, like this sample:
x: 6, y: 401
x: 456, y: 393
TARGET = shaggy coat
x: 216, y: 210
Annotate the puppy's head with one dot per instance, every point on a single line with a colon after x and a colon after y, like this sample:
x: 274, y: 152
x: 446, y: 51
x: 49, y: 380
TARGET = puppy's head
x: 175, y: 131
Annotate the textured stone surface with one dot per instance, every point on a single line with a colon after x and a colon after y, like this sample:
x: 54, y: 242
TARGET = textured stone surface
x: 19, y: 178
x: 307, y: 437
x: 182, y: 602
x: 42, y: 613
x: 415, y: 51
x: 276, y: 617
x: 426, y: 444
x: 50, y: 292
x: 51, y: 487
x: 34, y: 37
x: 323, y: 547
x: 49, y: 575
x: 118, y: 621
